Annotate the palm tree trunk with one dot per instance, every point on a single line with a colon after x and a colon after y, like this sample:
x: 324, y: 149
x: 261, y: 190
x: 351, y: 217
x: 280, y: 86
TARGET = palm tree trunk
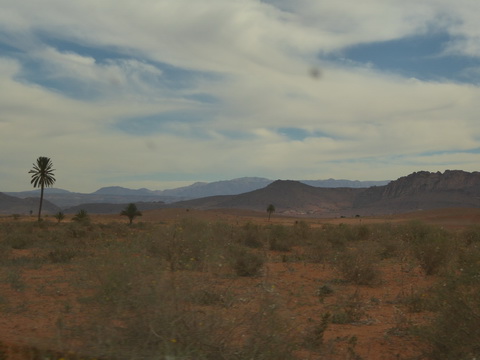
x: 41, y: 201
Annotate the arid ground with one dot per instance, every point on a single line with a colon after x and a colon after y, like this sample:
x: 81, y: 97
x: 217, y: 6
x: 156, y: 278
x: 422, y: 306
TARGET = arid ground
x: 345, y: 288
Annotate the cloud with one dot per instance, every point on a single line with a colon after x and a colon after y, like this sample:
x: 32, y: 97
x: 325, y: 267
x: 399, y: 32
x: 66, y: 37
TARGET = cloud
x: 131, y: 93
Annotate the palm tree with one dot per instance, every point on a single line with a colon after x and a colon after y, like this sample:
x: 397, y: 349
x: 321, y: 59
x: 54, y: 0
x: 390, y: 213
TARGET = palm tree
x: 42, y: 175
x: 270, y: 210
x: 131, y: 212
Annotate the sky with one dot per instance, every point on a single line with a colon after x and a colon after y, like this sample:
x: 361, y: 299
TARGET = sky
x: 159, y: 94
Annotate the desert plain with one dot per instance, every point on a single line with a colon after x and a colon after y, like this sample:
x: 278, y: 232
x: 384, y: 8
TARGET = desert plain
x: 233, y: 284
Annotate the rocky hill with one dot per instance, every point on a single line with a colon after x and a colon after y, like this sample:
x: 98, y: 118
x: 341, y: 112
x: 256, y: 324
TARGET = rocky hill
x: 420, y: 190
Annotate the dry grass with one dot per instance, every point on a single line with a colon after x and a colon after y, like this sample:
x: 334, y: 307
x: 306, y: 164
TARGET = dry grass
x: 210, y: 285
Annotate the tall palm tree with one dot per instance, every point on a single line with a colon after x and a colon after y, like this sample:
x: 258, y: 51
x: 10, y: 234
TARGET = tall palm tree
x: 42, y: 175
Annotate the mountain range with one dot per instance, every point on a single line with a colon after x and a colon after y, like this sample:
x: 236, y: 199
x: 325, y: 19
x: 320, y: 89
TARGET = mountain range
x: 119, y: 195
x: 419, y: 190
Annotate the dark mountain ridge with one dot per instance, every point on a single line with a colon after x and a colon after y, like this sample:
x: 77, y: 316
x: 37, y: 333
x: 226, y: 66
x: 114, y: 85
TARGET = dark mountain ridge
x: 419, y: 190
x: 13, y: 205
x: 121, y: 195
x: 423, y: 190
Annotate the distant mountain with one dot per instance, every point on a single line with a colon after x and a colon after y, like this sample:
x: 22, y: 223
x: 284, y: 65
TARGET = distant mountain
x: 13, y: 205
x: 225, y: 187
x: 287, y: 196
x: 421, y: 190
x: 332, y: 183
x: 114, y: 195
x: 121, y: 195
x: 121, y: 191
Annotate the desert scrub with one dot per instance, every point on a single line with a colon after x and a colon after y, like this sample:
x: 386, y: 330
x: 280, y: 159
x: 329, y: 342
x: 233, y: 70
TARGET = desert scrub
x: 82, y: 217
x: 339, y: 235
x: 245, y: 262
x: 302, y: 232
x: 358, y: 263
x: 347, y: 310
x: 187, y: 245
x: 433, y: 247
x: 454, y: 333
x: 280, y: 238
x: 268, y: 334
x: 160, y: 319
x: 251, y: 235
x: 471, y: 235
x: 20, y: 235
x: 117, y: 273
x: 318, y: 249
x: 315, y: 337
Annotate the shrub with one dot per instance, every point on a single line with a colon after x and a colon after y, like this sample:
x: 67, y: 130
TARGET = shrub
x: 431, y: 246
x: 82, y: 217
x: 185, y: 245
x: 62, y: 255
x: 348, y: 310
x: 301, y: 231
x: 251, y: 235
x: 358, y: 264
x: 471, y: 235
x: 59, y: 216
x: 454, y: 333
x: 246, y: 262
x: 280, y: 238
x: 315, y: 337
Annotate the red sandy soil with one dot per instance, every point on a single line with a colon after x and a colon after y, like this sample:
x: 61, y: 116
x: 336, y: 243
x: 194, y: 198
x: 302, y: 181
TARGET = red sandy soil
x: 31, y: 321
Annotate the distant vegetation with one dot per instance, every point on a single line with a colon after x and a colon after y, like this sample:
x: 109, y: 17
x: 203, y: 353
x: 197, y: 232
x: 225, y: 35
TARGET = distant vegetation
x: 131, y: 212
x: 178, y: 291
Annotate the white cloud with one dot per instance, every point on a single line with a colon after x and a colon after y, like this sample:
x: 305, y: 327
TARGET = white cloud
x: 256, y: 59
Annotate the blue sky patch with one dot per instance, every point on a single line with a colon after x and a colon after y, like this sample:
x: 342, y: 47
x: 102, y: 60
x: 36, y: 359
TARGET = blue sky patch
x: 298, y: 134
x: 421, y: 57
x: 164, y: 122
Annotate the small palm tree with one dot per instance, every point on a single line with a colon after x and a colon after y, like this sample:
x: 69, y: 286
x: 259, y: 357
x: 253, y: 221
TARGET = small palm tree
x: 270, y: 210
x: 82, y: 217
x: 42, y: 175
x: 131, y: 212
x: 59, y: 216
